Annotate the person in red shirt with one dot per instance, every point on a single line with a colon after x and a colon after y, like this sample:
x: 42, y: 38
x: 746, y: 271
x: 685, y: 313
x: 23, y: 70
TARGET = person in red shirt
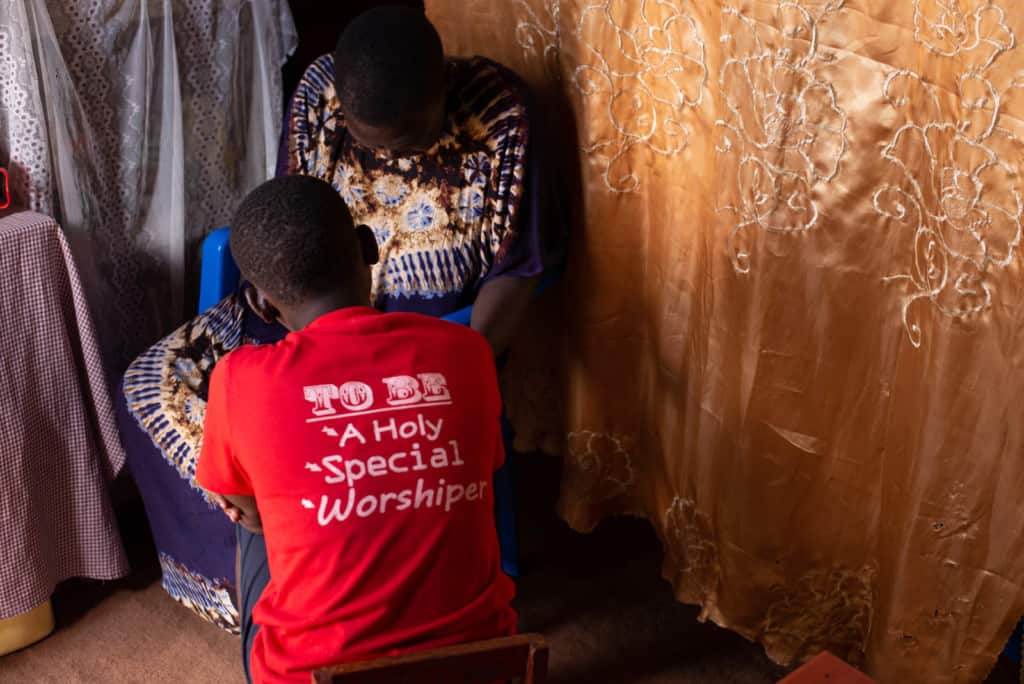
x: 362, y: 447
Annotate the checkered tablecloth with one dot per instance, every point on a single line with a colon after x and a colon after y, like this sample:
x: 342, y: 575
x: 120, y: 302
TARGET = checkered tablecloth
x: 59, y: 446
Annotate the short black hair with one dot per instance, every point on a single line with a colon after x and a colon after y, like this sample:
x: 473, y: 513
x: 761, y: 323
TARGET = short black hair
x: 293, y: 238
x: 389, y: 61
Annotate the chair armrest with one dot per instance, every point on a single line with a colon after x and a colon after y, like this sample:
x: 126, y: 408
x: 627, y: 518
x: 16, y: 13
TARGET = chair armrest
x: 462, y: 316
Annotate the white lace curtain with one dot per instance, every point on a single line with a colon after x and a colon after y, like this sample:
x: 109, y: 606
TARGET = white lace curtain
x: 139, y: 124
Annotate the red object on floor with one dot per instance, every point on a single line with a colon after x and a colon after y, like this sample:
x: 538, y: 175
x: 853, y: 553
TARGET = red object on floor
x: 825, y: 668
x: 5, y: 190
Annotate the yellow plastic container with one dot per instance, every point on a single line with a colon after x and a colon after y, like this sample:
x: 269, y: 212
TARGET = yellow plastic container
x: 26, y: 629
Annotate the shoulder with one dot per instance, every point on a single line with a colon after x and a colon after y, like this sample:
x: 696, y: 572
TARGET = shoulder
x: 469, y: 72
x: 486, y: 89
x: 243, y: 363
x: 319, y: 74
x: 458, y: 349
x: 452, y: 335
x: 315, y: 91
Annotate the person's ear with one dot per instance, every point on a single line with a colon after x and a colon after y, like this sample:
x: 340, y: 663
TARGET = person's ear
x: 261, y: 306
x: 367, y: 245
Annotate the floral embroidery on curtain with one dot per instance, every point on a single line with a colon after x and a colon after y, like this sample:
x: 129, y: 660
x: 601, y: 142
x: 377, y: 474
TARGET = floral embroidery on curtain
x: 784, y: 122
x: 789, y: 332
x: 627, y: 82
x: 964, y: 214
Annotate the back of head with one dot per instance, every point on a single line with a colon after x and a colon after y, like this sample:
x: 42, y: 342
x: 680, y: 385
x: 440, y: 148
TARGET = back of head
x: 389, y: 62
x: 293, y: 238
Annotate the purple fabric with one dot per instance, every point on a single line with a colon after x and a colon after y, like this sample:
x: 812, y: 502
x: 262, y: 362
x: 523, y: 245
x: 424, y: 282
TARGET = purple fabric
x: 185, y: 527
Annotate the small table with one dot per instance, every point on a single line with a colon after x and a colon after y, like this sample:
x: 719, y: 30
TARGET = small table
x: 59, y: 446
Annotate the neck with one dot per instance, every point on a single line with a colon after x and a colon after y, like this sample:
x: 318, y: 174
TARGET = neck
x: 303, y: 314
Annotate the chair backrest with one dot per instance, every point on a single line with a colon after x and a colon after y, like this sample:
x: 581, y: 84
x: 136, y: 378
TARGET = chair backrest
x: 523, y: 657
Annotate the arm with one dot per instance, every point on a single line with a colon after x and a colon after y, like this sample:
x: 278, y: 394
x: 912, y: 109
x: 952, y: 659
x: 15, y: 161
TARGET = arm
x: 499, y: 309
x: 520, y: 262
x: 241, y: 510
x: 533, y: 237
x: 218, y: 469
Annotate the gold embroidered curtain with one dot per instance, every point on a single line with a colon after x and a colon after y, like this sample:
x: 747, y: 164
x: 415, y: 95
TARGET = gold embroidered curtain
x: 792, y: 323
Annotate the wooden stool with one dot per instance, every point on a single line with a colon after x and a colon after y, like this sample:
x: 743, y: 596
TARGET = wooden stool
x: 523, y: 657
x: 26, y: 629
x: 825, y: 668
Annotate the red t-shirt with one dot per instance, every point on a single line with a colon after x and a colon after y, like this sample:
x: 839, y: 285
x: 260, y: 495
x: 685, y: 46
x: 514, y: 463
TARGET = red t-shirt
x: 370, y: 442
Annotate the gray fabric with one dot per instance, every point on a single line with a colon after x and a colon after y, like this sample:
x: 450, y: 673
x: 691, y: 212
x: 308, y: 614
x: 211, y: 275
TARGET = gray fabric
x: 252, y: 580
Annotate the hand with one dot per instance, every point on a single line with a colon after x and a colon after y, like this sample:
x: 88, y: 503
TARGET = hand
x: 232, y: 511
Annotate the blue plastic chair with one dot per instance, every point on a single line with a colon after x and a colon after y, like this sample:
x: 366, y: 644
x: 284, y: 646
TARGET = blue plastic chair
x: 219, y: 277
